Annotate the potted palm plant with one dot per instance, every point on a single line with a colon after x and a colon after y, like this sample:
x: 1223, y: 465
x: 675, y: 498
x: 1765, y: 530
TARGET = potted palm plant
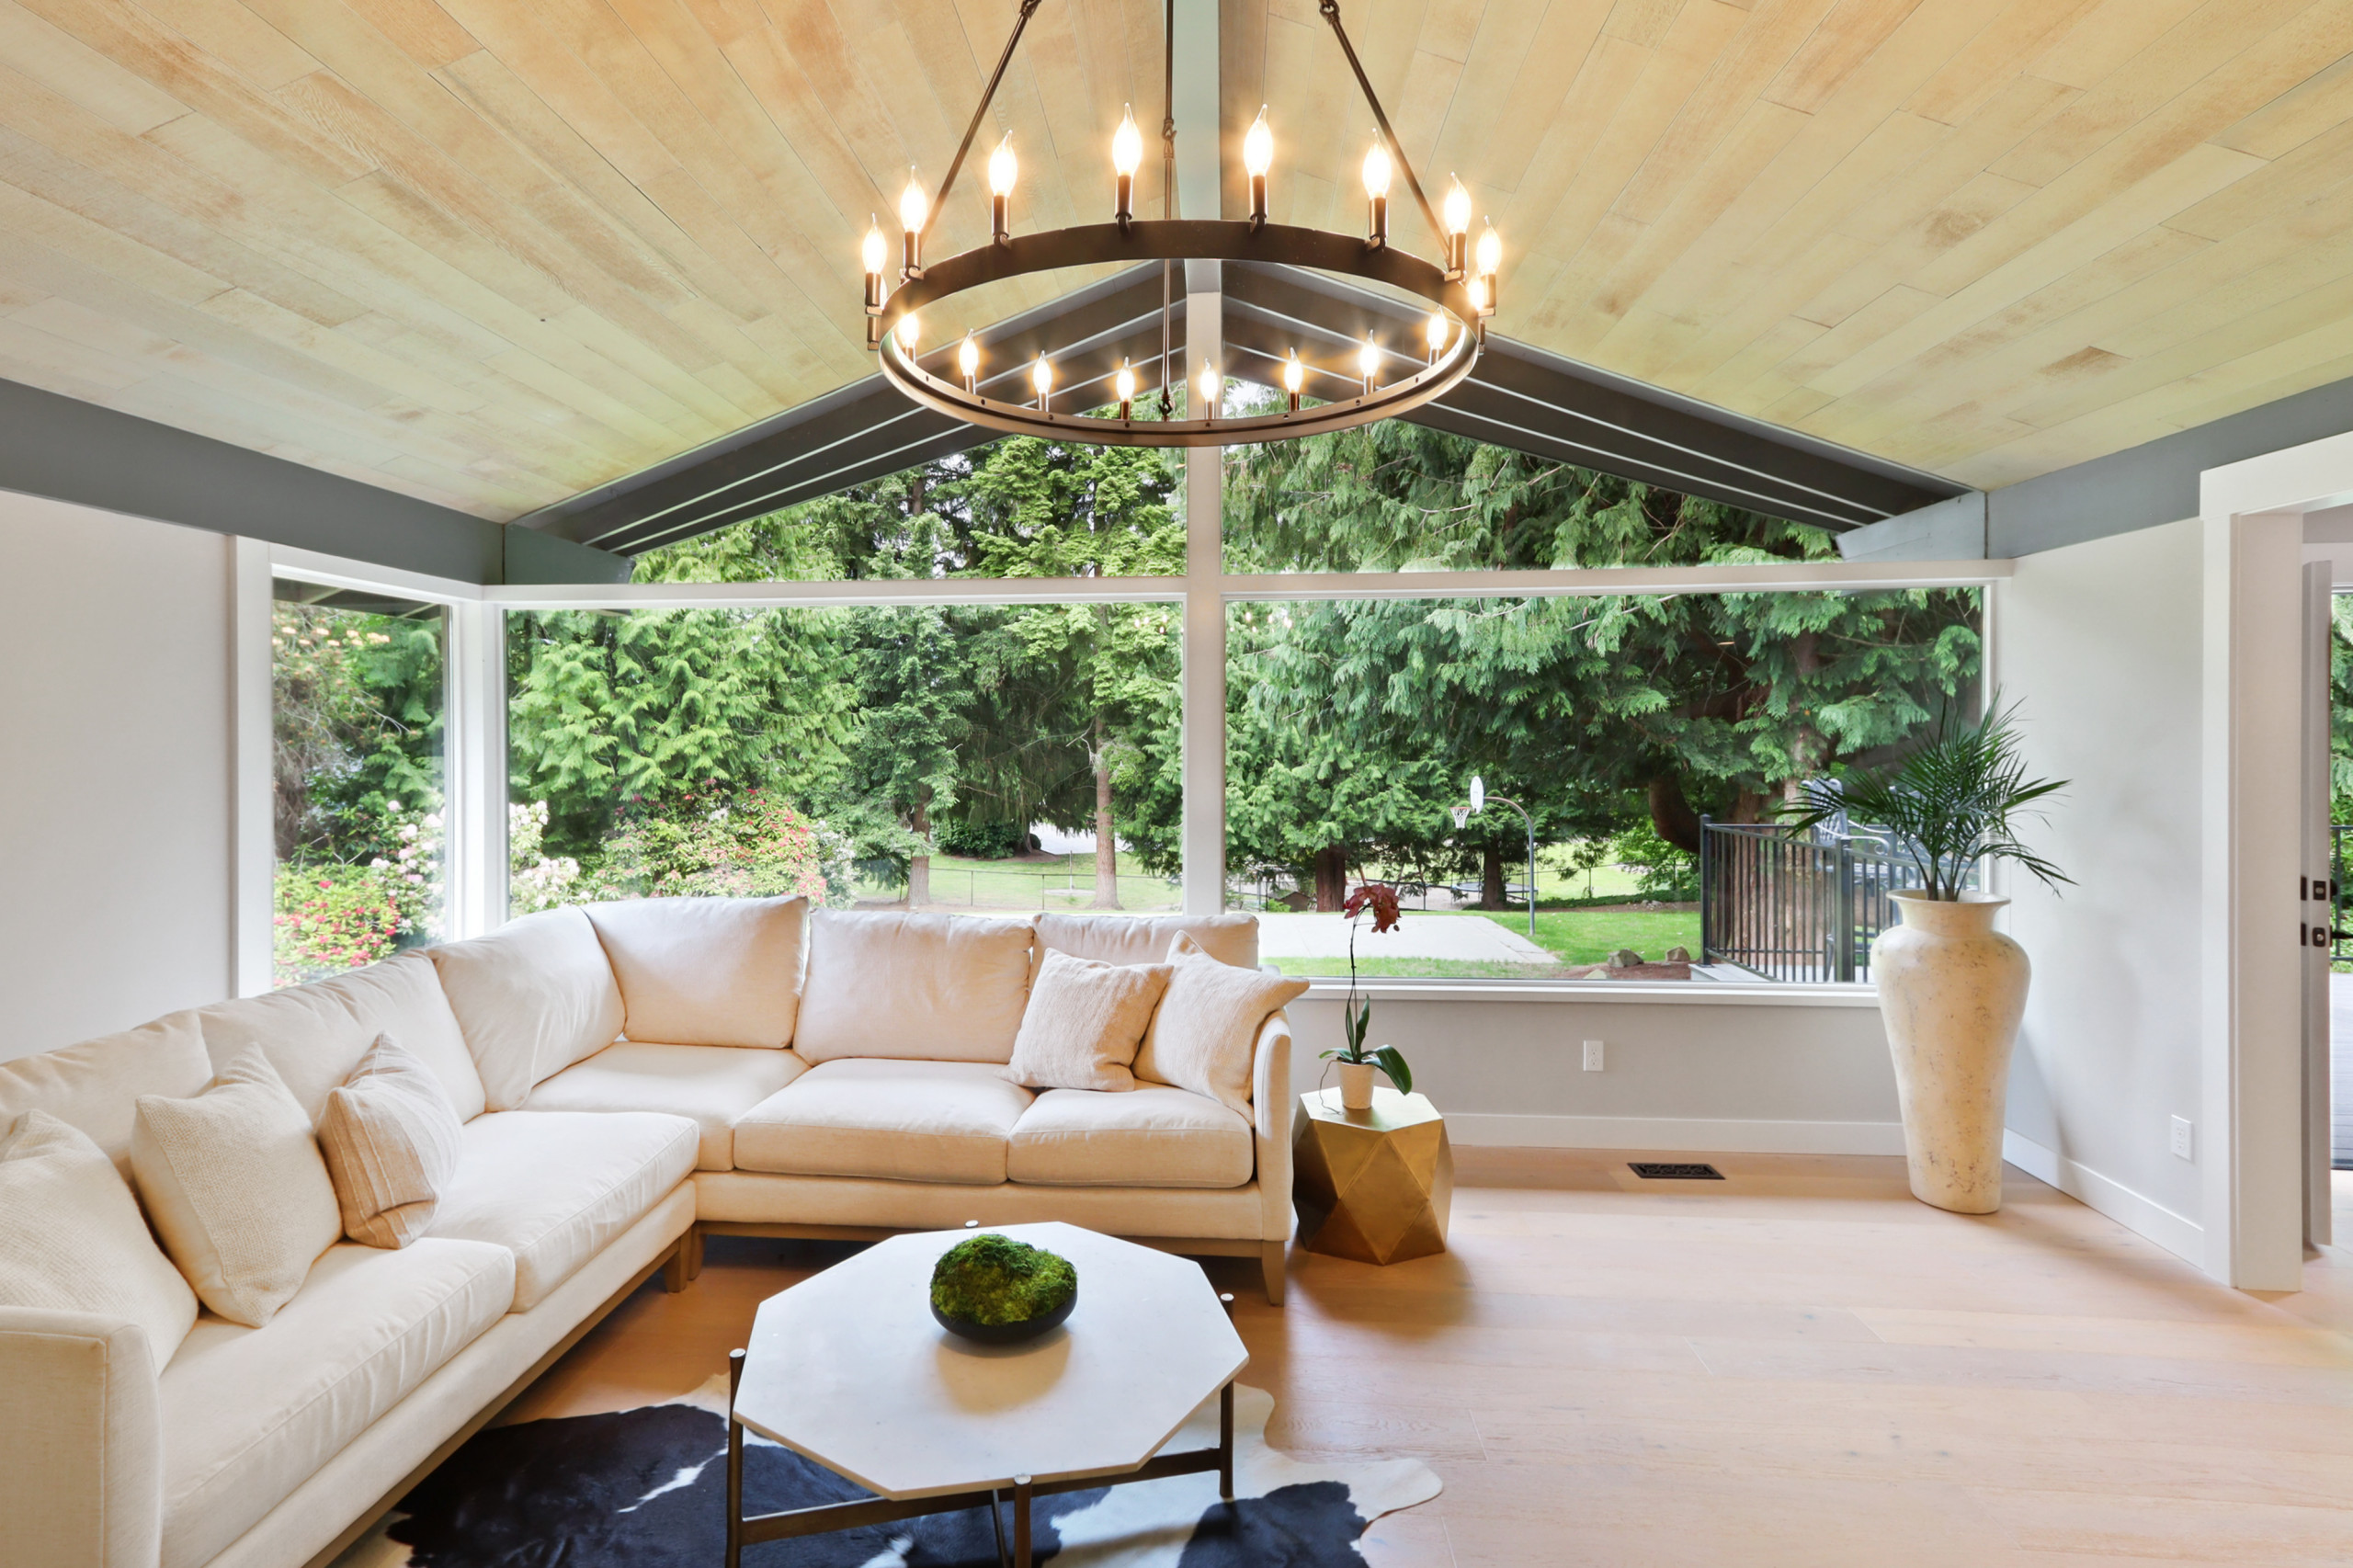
x: 1951, y: 989
x: 1356, y: 1064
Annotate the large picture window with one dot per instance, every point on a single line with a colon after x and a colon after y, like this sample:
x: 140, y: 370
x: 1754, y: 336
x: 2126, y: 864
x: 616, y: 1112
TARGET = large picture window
x: 358, y: 701
x: 996, y: 757
x: 963, y: 686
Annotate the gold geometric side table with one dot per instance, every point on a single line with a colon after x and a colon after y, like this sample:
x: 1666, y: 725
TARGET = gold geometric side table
x: 1372, y: 1185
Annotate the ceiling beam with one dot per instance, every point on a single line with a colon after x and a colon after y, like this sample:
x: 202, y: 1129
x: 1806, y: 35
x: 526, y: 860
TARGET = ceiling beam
x: 70, y: 451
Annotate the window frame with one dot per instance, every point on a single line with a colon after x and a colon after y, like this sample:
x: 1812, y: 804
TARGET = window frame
x: 476, y: 726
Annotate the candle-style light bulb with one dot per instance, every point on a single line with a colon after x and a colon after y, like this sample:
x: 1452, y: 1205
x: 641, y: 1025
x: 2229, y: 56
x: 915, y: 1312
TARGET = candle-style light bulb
x: 1491, y: 261
x: 1369, y: 360
x: 909, y: 331
x: 1376, y: 193
x: 1127, y: 156
x: 1257, y: 158
x: 874, y: 251
x: 1458, y: 228
x: 1434, y: 334
x: 1004, y: 168
x: 1124, y: 384
x: 1212, y: 387
x: 913, y: 206
x: 1295, y: 377
x: 1041, y: 378
x: 967, y: 360
x: 1478, y: 292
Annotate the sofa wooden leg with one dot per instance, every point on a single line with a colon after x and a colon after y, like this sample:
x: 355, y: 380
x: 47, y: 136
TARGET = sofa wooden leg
x: 694, y: 1253
x: 675, y: 1273
x: 1270, y: 1261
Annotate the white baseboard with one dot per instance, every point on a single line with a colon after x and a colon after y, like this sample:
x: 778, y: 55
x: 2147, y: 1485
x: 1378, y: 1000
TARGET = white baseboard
x: 2177, y: 1234
x: 1682, y: 1135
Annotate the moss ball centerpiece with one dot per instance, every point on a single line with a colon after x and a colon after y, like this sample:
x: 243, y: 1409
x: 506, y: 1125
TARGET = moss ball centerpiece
x: 996, y: 1291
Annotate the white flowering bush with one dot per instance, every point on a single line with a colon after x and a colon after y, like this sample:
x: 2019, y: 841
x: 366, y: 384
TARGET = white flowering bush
x: 535, y: 880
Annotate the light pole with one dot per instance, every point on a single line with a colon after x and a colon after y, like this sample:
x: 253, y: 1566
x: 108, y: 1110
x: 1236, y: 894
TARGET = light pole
x: 1478, y: 803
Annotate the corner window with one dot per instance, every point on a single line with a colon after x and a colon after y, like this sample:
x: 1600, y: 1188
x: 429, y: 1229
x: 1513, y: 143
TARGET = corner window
x: 358, y: 704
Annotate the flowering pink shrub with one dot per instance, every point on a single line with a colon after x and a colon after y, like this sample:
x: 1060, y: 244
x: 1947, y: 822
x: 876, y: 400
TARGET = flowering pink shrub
x: 748, y: 844
x: 332, y: 917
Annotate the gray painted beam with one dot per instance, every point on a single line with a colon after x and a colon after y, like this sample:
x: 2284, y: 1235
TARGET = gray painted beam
x: 71, y: 450
x: 2155, y: 483
x: 1946, y: 530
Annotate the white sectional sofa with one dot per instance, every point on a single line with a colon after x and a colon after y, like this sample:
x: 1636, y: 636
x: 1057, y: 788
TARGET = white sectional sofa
x: 630, y: 1077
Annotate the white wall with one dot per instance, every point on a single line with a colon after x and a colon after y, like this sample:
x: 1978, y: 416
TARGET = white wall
x: 1777, y: 1076
x: 2102, y: 643
x: 114, y: 791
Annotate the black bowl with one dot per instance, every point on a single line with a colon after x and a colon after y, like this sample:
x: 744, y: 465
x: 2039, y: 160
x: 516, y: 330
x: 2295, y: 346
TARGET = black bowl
x: 1004, y: 1332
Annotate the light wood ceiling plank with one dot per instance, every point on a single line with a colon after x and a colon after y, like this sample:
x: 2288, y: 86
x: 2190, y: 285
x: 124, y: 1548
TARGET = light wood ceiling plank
x: 38, y: 48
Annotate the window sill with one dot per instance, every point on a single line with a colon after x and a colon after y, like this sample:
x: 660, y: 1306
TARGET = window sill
x: 1579, y: 993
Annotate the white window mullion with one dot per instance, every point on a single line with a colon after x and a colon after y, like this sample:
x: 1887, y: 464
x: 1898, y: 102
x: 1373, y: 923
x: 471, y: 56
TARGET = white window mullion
x: 1204, y: 647
x: 474, y: 807
x: 253, y: 842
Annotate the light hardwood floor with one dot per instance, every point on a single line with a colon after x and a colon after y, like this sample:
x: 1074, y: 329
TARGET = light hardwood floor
x: 1797, y: 1365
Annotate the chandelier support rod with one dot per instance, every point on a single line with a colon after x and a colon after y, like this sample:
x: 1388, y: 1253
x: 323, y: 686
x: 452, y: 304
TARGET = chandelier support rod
x: 988, y: 95
x: 1167, y: 203
x: 1331, y: 10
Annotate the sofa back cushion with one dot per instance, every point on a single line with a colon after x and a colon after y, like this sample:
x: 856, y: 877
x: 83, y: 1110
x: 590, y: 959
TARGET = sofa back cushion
x: 532, y: 997
x: 706, y: 971
x: 1145, y: 938
x: 919, y: 987
x: 95, y: 1086
x: 315, y: 1034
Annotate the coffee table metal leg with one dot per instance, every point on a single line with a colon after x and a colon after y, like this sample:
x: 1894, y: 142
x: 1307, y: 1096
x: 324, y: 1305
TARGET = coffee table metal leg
x: 1225, y: 1442
x: 1021, y: 1522
x: 996, y: 1523
x: 735, y: 1464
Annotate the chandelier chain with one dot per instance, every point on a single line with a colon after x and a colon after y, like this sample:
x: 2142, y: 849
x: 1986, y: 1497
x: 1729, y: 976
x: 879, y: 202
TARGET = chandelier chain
x: 1331, y: 10
x: 980, y: 111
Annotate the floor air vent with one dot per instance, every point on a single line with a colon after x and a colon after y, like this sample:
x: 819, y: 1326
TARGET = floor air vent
x: 1670, y: 1170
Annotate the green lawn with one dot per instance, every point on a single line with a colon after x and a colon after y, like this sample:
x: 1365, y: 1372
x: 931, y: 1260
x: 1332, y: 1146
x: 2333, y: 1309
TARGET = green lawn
x: 1589, y: 935
x: 1029, y: 883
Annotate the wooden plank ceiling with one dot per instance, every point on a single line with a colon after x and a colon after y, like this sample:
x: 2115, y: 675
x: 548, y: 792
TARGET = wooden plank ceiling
x: 496, y: 252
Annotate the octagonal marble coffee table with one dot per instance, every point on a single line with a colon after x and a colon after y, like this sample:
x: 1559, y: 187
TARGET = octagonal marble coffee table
x: 849, y: 1370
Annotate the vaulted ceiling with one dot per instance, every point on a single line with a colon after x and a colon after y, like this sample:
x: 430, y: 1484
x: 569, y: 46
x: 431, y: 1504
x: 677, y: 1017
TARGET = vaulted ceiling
x: 494, y: 253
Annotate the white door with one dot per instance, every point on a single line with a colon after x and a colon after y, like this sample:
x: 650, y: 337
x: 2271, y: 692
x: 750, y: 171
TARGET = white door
x: 2317, y: 888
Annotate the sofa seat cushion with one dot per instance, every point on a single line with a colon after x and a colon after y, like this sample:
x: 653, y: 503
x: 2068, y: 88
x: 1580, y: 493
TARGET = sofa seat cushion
x: 248, y: 1414
x: 554, y: 1187
x: 1152, y: 1135
x: 713, y: 1085
x: 940, y: 1121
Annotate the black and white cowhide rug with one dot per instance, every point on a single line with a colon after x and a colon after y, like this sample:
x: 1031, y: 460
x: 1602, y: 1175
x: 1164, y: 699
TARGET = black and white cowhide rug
x: 647, y: 1488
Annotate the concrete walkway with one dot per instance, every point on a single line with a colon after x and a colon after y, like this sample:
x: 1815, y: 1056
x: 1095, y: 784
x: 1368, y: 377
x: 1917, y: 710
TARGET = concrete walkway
x: 1421, y: 935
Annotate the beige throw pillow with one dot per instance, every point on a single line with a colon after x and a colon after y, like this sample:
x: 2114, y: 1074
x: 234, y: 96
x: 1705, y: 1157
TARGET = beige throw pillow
x: 389, y: 1135
x: 71, y: 1238
x: 1208, y: 1024
x: 237, y: 1189
x: 1084, y: 1022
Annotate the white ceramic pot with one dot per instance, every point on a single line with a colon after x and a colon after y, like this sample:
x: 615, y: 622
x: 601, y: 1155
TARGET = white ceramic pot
x: 1356, y: 1085
x: 1952, y: 990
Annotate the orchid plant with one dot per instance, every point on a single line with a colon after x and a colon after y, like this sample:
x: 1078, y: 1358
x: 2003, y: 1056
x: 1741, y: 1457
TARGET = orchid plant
x: 1356, y: 1017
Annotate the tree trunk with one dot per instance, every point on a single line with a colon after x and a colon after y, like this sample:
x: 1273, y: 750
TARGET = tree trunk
x: 1106, y: 843
x: 919, y: 866
x: 1491, y: 878
x: 1672, y: 815
x: 1331, y: 878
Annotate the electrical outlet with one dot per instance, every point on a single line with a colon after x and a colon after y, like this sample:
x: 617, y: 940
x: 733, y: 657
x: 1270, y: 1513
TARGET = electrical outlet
x: 2184, y: 1147
x: 1593, y: 1056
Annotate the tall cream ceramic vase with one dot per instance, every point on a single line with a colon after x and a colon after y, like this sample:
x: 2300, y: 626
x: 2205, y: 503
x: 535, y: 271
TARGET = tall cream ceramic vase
x: 1952, y: 990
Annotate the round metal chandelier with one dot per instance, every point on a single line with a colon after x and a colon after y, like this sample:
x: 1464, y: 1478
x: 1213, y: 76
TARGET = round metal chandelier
x: 1462, y: 291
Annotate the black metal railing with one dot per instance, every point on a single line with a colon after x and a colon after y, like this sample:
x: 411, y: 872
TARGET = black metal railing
x: 1796, y: 907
